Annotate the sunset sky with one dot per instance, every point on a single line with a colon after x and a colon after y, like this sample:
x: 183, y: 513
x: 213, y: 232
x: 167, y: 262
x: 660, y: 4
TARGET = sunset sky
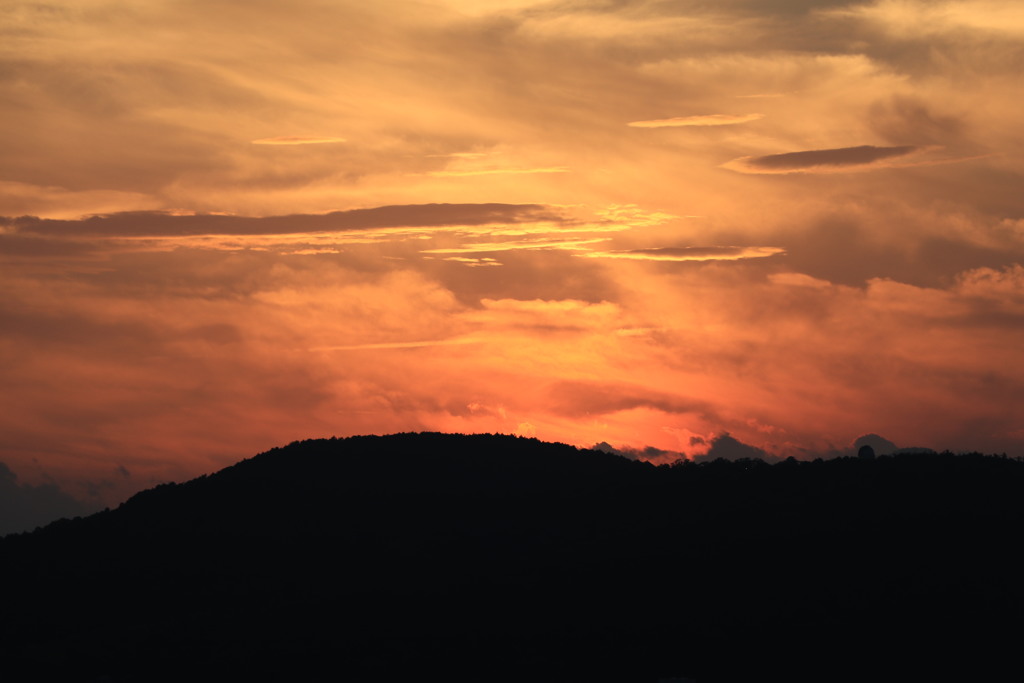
x: 225, y: 226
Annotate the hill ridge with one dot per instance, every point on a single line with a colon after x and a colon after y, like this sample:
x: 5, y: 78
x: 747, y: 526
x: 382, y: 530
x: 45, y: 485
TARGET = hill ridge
x: 465, y: 550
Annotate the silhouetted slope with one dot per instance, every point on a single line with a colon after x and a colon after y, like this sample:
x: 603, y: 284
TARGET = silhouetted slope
x: 500, y: 558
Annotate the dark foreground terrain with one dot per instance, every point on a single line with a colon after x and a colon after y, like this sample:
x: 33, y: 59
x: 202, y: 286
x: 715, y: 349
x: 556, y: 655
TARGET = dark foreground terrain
x: 495, y: 558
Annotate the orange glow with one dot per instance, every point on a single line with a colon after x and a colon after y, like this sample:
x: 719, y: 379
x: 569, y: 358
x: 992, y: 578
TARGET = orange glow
x: 645, y: 224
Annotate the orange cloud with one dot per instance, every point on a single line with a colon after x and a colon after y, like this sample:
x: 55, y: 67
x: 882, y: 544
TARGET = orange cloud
x: 219, y: 299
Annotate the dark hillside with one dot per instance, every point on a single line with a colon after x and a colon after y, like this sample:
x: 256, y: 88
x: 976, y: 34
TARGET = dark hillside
x: 499, y: 558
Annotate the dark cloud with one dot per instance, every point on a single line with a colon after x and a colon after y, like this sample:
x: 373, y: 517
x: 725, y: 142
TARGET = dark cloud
x: 902, y: 118
x: 726, y: 447
x: 35, y: 246
x: 842, y: 157
x: 844, y: 248
x: 75, y: 330
x: 24, y: 507
x: 952, y: 38
x: 880, y: 445
x: 650, y: 454
x: 161, y: 224
x: 683, y: 8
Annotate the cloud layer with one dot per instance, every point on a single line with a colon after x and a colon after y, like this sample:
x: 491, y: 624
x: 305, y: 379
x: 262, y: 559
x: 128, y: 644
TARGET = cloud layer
x: 559, y: 218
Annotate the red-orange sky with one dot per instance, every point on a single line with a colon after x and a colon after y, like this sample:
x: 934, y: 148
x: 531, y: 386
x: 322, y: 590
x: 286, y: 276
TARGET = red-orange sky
x: 647, y: 223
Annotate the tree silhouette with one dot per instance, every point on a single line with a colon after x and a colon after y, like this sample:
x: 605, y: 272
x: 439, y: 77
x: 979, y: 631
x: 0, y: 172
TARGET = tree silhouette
x: 486, y: 557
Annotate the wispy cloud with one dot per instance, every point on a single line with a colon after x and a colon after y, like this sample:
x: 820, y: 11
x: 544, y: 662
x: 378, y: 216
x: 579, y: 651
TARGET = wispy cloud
x: 689, y: 253
x: 499, y: 171
x: 297, y: 140
x: 502, y: 315
x: 400, y: 345
x: 531, y: 244
x: 474, y: 262
x: 702, y: 120
x: 458, y: 155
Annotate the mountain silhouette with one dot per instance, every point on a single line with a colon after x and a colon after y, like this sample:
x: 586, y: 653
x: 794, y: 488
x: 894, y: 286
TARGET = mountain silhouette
x: 499, y: 558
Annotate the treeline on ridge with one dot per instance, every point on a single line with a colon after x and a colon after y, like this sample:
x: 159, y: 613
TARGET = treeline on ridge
x: 487, y: 557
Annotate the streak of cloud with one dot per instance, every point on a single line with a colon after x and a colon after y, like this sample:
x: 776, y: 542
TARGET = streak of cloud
x: 399, y: 345
x: 165, y: 224
x: 533, y: 244
x: 499, y: 171
x: 823, y: 160
x: 458, y: 155
x: 689, y: 253
x: 474, y: 262
x: 704, y: 120
x: 297, y: 140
